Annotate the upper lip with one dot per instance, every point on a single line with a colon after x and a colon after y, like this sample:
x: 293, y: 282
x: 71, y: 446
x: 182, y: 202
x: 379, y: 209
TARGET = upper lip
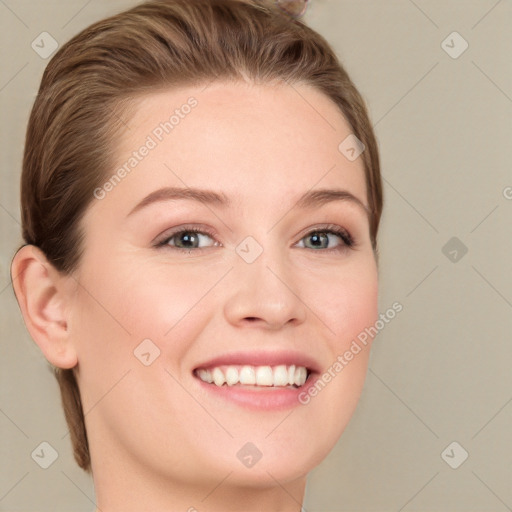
x: 262, y: 358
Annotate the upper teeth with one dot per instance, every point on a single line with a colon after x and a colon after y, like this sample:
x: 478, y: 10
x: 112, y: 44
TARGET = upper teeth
x: 281, y: 375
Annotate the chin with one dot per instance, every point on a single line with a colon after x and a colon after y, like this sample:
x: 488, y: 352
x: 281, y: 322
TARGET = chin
x: 262, y: 463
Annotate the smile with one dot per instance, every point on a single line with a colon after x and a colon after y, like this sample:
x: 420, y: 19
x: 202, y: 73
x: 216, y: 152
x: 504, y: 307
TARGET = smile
x: 257, y: 380
x: 281, y: 376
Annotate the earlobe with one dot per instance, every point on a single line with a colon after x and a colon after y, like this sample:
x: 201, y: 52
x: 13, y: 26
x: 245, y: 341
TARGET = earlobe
x: 43, y: 298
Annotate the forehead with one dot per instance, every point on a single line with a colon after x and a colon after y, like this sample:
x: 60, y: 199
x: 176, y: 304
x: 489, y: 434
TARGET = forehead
x: 255, y: 143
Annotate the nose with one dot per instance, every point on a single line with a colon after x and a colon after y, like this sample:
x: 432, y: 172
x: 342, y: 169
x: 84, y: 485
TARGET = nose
x: 264, y: 294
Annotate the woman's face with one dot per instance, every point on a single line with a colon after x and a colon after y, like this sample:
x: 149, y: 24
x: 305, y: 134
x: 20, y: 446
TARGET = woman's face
x: 265, y: 283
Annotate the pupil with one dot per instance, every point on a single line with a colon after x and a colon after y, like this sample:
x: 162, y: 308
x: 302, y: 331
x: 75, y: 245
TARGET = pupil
x: 187, y: 238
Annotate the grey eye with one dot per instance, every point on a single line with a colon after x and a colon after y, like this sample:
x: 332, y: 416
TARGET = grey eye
x: 320, y: 240
x: 187, y: 239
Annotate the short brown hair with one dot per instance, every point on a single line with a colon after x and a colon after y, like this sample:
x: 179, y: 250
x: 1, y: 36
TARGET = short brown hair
x: 86, y: 90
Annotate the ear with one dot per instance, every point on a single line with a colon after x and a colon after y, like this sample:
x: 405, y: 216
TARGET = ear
x: 44, y: 297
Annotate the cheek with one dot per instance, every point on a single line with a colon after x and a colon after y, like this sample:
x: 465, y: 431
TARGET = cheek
x: 142, y: 300
x: 120, y: 306
x: 348, y: 303
x: 116, y: 309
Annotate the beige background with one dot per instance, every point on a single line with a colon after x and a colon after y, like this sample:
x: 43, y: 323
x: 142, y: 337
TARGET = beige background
x: 440, y: 371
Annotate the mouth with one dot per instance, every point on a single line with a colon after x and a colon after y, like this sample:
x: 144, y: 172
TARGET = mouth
x: 280, y: 376
x: 258, y: 381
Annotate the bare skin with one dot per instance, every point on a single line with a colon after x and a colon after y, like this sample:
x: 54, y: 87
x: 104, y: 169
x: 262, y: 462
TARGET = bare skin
x: 159, y: 440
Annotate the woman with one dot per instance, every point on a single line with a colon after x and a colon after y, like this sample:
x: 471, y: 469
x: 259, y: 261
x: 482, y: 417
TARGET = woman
x: 201, y: 197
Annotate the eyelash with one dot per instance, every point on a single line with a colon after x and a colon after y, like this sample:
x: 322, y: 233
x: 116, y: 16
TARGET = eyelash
x: 348, y: 242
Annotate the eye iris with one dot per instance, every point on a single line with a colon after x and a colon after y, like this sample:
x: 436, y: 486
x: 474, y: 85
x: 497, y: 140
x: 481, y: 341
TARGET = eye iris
x: 188, y: 237
x: 318, y: 238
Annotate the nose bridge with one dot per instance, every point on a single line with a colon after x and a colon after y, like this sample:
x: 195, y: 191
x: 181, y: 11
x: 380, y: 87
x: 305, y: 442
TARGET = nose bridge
x: 264, y: 287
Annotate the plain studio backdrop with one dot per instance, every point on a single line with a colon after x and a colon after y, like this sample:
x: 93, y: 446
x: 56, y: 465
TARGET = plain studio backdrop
x: 432, y: 428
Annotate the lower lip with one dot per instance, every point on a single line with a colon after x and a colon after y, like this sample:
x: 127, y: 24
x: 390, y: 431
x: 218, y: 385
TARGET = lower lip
x: 259, y: 398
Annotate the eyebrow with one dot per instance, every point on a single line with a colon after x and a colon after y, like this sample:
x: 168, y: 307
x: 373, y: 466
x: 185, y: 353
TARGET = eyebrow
x: 310, y: 199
